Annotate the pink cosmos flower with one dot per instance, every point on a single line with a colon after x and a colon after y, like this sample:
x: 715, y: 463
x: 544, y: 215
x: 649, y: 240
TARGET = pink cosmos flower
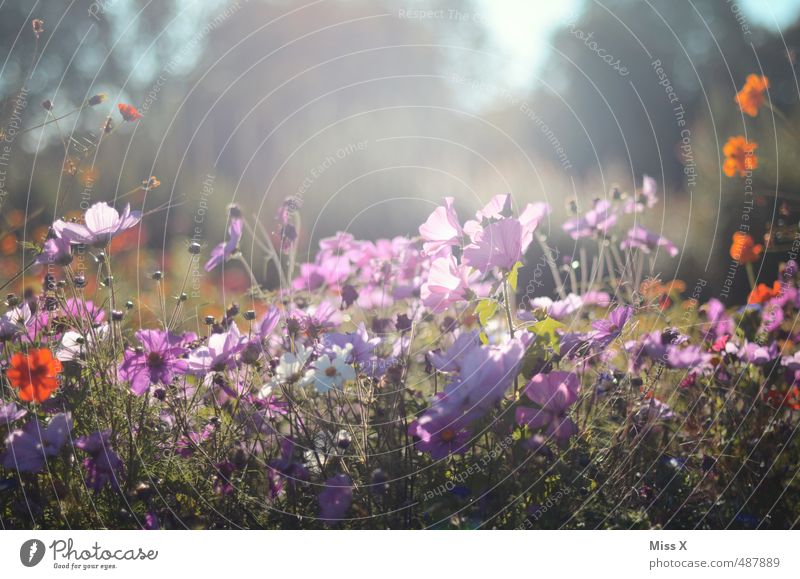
x: 447, y: 284
x: 498, y: 245
x: 101, y: 224
x: 638, y: 237
x: 598, y: 220
x: 442, y: 229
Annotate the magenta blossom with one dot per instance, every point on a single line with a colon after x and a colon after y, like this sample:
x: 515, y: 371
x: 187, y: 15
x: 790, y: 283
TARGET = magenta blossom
x: 554, y: 393
x: 606, y: 331
x: 227, y: 248
x: 101, y: 224
x: 158, y: 361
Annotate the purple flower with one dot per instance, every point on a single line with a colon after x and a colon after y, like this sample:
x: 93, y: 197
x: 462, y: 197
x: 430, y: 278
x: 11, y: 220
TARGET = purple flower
x: 336, y: 497
x: 559, y: 309
x: 597, y: 221
x: 363, y: 345
x: 440, y: 432
x: 451, y: 359
x: 151, y: 522
x: 56, y: 251
x: 638, y: 237
x: 606, y: 331
x: 483, y: 378
x: 101, y: 224
x: 497, y: 245
x: 554, y: 393
x: 721, y: 323
x: 84, y: 310
x: 689, y: 357
x: 103, y: 466
x: 646, y: 198
x: 757, y: 354
x: 10, y: 413
x: 219, y: 353
x: 28, y: 448
x: 158, y: 361
x: 14, y: 321
x: 227, y: 248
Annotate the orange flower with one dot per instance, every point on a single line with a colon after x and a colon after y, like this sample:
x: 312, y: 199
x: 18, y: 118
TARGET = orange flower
x: 739, y: 156
x: 751, y: 97
x: 34, y: 374
x: 763, y: 293
x: 744, y: 249
x: 129, y: 112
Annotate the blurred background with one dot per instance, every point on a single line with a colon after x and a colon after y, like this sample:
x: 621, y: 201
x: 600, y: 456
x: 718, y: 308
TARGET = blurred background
x: 371, y: 111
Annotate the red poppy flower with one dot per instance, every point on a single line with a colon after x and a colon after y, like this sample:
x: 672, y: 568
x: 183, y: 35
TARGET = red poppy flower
x: 129, y: 112
x: 34, y: 374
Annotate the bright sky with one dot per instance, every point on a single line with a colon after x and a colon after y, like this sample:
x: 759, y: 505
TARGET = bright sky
x: 521, y: 28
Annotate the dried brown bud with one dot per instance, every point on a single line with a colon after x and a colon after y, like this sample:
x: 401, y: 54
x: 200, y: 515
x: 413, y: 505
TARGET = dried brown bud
x: 38, y: 26
x: 47, y: 105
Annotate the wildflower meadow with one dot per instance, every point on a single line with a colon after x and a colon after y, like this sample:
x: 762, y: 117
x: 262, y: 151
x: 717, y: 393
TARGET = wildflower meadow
x: 496, y: 366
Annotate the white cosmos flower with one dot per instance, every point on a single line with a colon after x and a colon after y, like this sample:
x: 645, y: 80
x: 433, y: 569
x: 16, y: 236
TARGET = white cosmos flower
x: 328, y: 373
x: 73, y: 344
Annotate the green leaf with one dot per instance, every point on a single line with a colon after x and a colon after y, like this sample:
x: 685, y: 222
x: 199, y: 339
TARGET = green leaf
x: 545, y: 330
x: 513, y: 276
x: 484, y: 338
x: 485, y: 310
